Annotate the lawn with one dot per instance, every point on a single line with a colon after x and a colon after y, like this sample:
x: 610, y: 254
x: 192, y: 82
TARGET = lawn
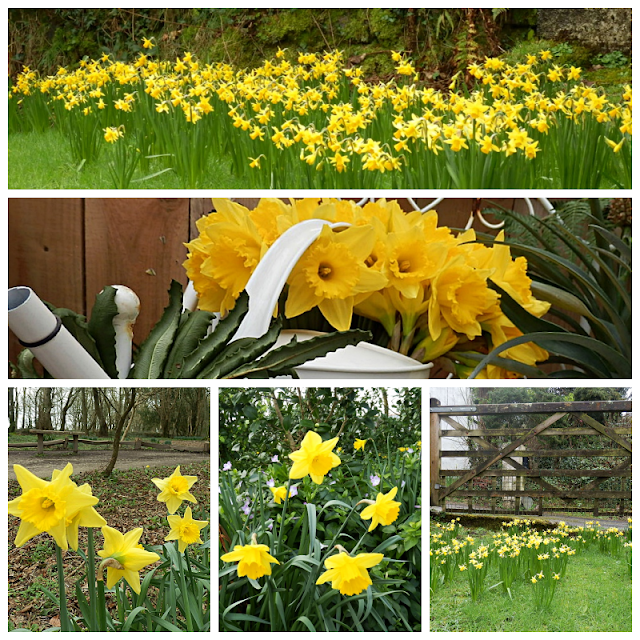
x: 43, y: 161
x: 594, y: 595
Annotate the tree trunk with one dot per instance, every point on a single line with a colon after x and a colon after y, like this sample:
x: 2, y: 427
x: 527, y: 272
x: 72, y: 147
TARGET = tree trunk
x: 12, y: 410
x: 43, y: 418
x: 127, y: 409
x: 103, y: 429
x: 67, y: 405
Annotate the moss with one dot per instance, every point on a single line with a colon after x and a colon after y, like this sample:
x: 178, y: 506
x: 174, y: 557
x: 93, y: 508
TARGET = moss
x: 388, y: 30
x: 277, y: 27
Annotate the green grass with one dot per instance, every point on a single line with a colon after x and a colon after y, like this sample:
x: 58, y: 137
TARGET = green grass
x: 595, y: 595
x: 43, y: 161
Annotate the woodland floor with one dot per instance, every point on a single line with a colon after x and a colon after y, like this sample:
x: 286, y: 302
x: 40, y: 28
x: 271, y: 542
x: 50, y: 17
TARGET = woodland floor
x: 128, y: 499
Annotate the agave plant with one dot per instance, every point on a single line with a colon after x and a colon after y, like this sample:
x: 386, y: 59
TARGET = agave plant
x: 181, y: 344
x: 588, y: 282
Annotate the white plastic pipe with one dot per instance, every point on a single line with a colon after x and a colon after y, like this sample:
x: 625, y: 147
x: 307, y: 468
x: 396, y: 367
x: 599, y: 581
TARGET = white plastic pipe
x: 268, y: 279
x: 41, y: 331
x: 128, y: 305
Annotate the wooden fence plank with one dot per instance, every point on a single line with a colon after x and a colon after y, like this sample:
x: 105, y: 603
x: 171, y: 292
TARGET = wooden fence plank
x: 570, y: 431
x: 534, y: 407
x: 535, y: 493
x: 137, y: 243
x: 434, y: 468
x: 549, y: 473
x: 539, y: 453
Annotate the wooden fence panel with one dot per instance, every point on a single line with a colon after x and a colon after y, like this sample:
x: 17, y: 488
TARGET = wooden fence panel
x: 137, y: 243
x: 46, y: 251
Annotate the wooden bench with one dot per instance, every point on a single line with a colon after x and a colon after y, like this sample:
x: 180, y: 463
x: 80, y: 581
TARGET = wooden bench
x: 65, y: 443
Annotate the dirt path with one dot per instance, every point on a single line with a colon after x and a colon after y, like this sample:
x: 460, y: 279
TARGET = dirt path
x: 91, y: 460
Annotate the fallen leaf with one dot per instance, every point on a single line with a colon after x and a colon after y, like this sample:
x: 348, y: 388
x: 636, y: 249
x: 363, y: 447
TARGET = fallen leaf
x: 55, y: 621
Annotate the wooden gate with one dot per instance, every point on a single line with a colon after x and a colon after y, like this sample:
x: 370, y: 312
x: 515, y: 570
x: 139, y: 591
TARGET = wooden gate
x: 518, y: 460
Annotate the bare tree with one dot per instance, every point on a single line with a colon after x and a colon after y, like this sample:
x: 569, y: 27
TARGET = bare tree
x: 103, y: 430
x: 129, y: 398
x: 13, y: 418
x: 44, y: 406
x: 65, y: 408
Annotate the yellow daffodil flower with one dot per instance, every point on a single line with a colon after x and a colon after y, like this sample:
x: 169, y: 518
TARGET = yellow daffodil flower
x: 175, y: 489
x: 279, y: 494
x: 384, y: 510
x: 254, y: 560
x: 359, y: 444
x: 314, y: 458
x: 128, y: 556
x: 349, y: 575
x: 185, y: 530
x: 111, y: 134
x: 49, y: 507
x: 331, y: 272
x: 147, y: 44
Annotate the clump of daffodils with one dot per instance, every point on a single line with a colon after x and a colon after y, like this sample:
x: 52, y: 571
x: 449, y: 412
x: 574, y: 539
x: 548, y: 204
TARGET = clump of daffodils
x: 429, y: 288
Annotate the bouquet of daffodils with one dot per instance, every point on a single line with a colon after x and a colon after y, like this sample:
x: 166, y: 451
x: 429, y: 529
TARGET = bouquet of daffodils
x: 429, y: 290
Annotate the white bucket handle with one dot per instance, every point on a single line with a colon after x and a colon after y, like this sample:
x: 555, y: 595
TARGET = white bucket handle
x: 267, y: 281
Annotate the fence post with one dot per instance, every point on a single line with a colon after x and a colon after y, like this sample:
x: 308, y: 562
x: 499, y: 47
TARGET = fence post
x: 137, y: 444
x: 434, y: 469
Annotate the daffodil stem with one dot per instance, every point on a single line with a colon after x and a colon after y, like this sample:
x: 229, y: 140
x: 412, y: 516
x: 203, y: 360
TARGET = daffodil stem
x: 185, y: 595
x: 102, y: 607
x: 284, y: 513
x: 65, y: 625
x: 359, y: 542
x: 186, y: 558
x: 342, y: 526
x: 91, y: 577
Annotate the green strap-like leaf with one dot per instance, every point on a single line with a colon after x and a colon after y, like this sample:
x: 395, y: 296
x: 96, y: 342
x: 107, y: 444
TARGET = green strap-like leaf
x: 193, y: 328
x: 102, y: 331
x: 25, y: 364
x: 211, y: 346
x: 590, y: 354
x: 150, y: 359
x: 77, y: 326
x: 242, y: 352
x: 282, y: 360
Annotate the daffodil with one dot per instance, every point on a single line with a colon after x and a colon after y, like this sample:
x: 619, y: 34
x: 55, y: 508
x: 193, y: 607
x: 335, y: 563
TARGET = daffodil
x: 279, y: 494
x: 125, y: 557
x: 254, y: 560
x: 331, y: 272
x: 384, y: 510
x: 50, y: 507
x: 348, y: 574
x: 175, y: 489
x: 314, y: 458
x: 86, y: 517
x: 185, y: 530
x: 359, y: 444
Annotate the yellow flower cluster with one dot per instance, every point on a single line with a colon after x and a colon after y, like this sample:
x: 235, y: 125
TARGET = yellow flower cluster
x: 333, y: 117
x: 399, y: 269
x: 347, y: 574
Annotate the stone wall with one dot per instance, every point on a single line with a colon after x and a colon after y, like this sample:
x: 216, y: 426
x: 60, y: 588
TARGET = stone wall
x: 602, y: 30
